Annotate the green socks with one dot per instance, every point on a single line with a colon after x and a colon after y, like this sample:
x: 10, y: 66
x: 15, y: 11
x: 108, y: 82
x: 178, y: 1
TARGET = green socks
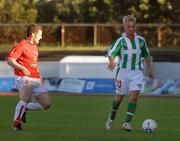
x: 114, y: 109
x: 130, y: 111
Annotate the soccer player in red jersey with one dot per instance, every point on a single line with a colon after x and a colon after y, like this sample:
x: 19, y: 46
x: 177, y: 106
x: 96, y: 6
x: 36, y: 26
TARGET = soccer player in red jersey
x: 24, y: 59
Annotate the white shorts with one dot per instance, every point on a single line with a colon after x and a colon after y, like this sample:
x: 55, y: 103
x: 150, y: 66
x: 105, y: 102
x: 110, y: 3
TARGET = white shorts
x: 35, y: 83
x: 128, y: 80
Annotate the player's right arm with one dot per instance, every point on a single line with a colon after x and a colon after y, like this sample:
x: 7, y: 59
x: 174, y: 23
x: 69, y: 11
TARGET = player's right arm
x: 14, y: 64
x: 112, y: 53
x: 111, y: 64
x: 13, y: 56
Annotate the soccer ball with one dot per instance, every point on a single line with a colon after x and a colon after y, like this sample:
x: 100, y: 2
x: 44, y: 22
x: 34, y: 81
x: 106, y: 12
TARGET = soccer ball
x: 149, y: 125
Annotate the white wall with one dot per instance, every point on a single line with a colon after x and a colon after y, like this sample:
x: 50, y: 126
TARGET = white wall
x: 96, y: 67
x: 167, y: 70
x: 47, y: 68
x: 90, y: 67
x: 84, y: 67
x: 5, y: 70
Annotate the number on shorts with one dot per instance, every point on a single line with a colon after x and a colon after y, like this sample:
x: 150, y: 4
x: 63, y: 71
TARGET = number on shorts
x: 118, y: 83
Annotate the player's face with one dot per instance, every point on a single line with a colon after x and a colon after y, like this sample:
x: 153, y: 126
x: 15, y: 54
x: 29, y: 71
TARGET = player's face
x: 129, y: 28
x: 38, y: 37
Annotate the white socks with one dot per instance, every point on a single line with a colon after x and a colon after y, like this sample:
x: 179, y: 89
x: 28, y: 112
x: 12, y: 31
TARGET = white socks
x: 34, y: 106
x: 22, y: 106
x: 20, y: 109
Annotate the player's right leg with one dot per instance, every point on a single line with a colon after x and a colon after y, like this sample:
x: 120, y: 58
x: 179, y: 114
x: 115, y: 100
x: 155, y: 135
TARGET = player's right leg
x: 115, y: 104
x: 23, y: 119
x: 24, y: 88
x: 121, y: 90
x: 20, y: 109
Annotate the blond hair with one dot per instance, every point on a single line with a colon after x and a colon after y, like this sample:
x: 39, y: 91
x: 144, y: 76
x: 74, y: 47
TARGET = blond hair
x: 128, y: 18
x: 33, y: 28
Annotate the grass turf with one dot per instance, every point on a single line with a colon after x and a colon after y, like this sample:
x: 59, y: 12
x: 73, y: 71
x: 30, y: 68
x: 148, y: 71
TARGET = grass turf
x: 82, y: 118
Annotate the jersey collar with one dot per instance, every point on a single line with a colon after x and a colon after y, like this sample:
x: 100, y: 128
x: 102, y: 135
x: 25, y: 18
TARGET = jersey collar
x: 130, y: 37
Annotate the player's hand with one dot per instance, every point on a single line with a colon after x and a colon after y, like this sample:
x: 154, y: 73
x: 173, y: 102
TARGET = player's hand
x: 26, y: 72
x: 42, y: 80
x: 111, y: 66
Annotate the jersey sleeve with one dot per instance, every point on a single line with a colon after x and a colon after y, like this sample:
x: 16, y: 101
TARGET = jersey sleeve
x: 16, y: 52
x: 145, y: 50
x: 114, y: 50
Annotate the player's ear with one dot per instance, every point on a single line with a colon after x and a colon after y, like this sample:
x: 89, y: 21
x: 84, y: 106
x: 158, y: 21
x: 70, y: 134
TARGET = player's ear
x: 33, y: 35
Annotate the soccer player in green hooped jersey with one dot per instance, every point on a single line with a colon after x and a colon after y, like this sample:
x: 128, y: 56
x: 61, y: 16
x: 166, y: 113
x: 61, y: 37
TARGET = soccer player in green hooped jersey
x: 130, y: 48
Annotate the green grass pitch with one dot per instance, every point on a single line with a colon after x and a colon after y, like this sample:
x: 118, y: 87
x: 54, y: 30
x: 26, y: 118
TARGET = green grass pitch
x: 82, y: 118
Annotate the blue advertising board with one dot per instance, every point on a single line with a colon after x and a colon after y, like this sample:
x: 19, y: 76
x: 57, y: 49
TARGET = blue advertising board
x: 7, y: 84
x: 99, y: 86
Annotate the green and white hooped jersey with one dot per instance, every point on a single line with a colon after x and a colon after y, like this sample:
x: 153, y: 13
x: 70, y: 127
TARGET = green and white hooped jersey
x: 130, y: 52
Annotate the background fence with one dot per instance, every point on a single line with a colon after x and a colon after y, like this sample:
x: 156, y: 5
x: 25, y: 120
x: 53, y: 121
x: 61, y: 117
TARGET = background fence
x: 157, y: 35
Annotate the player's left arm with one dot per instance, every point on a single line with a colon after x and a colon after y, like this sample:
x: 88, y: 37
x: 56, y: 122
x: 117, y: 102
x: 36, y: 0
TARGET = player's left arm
x: 41, y: 78
x: 148, y: 61
x: 147, y: 58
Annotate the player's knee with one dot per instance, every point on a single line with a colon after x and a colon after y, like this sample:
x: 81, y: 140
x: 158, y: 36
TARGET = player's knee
x: 134, y: 99
x: 134, y: 96
x: 46, y: 105
x: 26, y: 99
x: 45, y: 101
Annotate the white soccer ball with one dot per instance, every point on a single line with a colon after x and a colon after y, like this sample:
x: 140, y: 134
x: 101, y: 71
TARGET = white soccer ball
x: 149, y: 125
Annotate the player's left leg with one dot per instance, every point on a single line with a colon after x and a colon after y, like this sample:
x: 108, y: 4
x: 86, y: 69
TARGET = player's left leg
x: 31, y: 106
x: 40, y: 98
x: 132, y: 105
x: 135, y: 86
x: 44, y: 100
x: 43, y: 103
x: 131, y: 110
x: 34, y: 106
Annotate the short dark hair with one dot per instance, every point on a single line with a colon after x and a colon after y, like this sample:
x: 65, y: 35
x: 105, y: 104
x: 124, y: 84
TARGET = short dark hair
x: 33, y: 28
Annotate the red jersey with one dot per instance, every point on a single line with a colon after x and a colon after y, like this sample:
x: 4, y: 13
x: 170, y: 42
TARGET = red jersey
x: 26, y: 54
